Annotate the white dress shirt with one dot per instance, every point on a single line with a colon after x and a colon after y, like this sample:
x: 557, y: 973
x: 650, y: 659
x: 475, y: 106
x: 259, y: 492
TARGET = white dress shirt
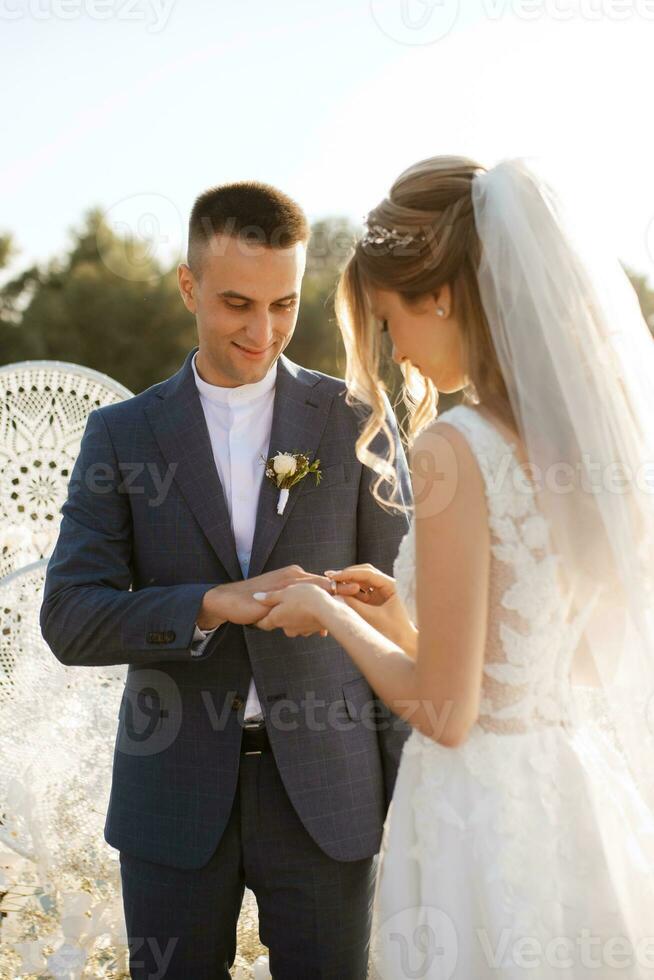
x: 239, y: 422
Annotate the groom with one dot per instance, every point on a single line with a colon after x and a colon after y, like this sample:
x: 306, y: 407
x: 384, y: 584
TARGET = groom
x: 242, y: 757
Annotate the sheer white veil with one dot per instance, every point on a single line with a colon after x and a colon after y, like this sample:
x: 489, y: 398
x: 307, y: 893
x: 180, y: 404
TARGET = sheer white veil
x: 578, y: 361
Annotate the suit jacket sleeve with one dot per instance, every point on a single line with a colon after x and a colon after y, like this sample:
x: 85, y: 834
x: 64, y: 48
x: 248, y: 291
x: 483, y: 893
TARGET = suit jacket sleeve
x: 89, y: 615
x: 379, y: 535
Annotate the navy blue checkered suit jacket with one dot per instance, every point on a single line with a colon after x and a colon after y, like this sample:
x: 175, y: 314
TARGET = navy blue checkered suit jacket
x: 145, y: 533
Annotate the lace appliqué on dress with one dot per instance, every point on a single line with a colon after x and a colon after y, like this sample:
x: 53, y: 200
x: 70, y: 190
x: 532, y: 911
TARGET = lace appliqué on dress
x: 524, y: 787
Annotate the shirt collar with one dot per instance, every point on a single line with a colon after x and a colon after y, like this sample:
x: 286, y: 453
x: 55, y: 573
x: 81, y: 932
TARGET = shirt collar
x: 241, y: 394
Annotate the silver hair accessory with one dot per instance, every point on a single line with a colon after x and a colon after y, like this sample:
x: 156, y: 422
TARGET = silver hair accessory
x: 391, y: 237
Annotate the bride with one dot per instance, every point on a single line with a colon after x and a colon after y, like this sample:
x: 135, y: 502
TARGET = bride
x: 518, y: 635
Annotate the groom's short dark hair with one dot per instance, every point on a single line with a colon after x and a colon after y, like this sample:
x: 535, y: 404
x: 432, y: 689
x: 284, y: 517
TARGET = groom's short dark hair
x: 250, y: 210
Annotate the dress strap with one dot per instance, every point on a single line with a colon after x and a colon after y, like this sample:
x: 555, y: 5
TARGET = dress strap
x: 508, y: 491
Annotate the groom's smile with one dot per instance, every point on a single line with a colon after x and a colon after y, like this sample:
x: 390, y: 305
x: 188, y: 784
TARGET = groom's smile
x: 255, y: 355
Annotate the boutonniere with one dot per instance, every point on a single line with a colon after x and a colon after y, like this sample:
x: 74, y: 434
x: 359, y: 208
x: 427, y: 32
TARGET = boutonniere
x: 287, y: 469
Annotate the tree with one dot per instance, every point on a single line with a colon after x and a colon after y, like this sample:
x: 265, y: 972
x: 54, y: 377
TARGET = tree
x: 88, y: 308
x: 317, y: 341
x: 106, y: 303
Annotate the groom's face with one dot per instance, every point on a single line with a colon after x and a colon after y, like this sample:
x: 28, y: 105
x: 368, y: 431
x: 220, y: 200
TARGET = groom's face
x: 245, y: 299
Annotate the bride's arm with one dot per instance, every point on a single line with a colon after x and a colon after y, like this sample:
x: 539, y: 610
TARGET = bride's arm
x: 439, y: 691
x: 383, y: 609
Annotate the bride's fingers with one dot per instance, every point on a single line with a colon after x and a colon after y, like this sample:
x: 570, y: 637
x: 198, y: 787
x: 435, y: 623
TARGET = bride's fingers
x: 267, y: 598
x: 359, y: 587
x: 265, y: 623
x: 361, y: 574
x: 338, y: 588
x: 328, y: 586
x: 268, y: 624
x: 375, y: 587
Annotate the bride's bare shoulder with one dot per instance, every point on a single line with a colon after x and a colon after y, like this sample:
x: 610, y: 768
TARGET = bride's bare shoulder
x: 445, y: 473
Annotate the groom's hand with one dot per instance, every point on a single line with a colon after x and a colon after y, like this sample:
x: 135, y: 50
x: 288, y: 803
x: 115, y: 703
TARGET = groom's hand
x: 233, y: 601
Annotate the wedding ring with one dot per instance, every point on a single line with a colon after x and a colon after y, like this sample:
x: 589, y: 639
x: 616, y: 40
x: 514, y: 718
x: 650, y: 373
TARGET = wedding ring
x: 334, y: 586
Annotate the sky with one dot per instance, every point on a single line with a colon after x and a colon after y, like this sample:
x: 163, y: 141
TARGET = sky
x: 136, y: 106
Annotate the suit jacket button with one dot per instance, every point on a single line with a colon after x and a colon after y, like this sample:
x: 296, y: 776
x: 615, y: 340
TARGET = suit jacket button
x: 237, y: 703
x: 170, y: 636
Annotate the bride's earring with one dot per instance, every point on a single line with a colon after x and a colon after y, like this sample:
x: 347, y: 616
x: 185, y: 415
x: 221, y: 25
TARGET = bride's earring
x: 440, y: 311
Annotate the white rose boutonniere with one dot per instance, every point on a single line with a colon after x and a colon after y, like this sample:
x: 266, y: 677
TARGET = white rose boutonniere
x: 287, y: 469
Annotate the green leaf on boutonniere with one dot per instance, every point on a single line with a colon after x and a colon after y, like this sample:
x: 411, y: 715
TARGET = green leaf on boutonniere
x: 287, y: 469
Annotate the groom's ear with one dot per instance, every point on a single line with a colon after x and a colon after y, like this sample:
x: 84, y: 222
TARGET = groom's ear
x: 187, y: 285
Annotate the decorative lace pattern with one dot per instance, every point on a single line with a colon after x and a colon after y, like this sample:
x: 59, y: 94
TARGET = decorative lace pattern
x: 530, y: 642
x: 44, y: 406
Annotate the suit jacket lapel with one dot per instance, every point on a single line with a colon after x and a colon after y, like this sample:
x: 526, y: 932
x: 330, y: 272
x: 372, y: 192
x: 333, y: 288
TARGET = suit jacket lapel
x: 180, y: 428
x: 300, y: 411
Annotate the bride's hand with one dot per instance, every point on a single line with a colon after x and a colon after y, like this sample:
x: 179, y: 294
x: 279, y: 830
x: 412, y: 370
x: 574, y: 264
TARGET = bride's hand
x: 297, y: 609
x: 379, y: 604
x: 376, y: 587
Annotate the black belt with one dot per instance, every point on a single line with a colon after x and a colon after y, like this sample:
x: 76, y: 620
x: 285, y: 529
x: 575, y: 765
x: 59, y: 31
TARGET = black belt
x: 255, y: 738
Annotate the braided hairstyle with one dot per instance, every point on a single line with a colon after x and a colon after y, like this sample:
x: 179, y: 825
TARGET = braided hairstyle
x: 430, y: 208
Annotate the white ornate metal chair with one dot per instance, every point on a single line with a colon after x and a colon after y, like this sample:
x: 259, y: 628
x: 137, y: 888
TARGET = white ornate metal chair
x: 57, y: 723
x: 43, y: 411
x: 57, y: 732
x: 57, y: 727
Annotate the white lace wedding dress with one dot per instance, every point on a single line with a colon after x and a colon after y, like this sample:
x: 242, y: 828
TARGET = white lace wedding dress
x: 496, y: 860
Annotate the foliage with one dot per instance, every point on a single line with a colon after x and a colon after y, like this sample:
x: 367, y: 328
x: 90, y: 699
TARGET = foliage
x: 85, y: 306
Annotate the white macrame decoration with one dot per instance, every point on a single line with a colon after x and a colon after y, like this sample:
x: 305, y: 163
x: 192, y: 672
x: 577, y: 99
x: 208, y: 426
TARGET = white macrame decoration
x: 61, y: 912
x: 43, y: 410
x: 57, y: 728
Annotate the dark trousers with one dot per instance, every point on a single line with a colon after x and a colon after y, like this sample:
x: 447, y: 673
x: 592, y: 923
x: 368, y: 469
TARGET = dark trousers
x: 314, y: 912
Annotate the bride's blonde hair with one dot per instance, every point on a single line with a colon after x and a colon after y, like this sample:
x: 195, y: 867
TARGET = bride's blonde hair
x: 431, y: 200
